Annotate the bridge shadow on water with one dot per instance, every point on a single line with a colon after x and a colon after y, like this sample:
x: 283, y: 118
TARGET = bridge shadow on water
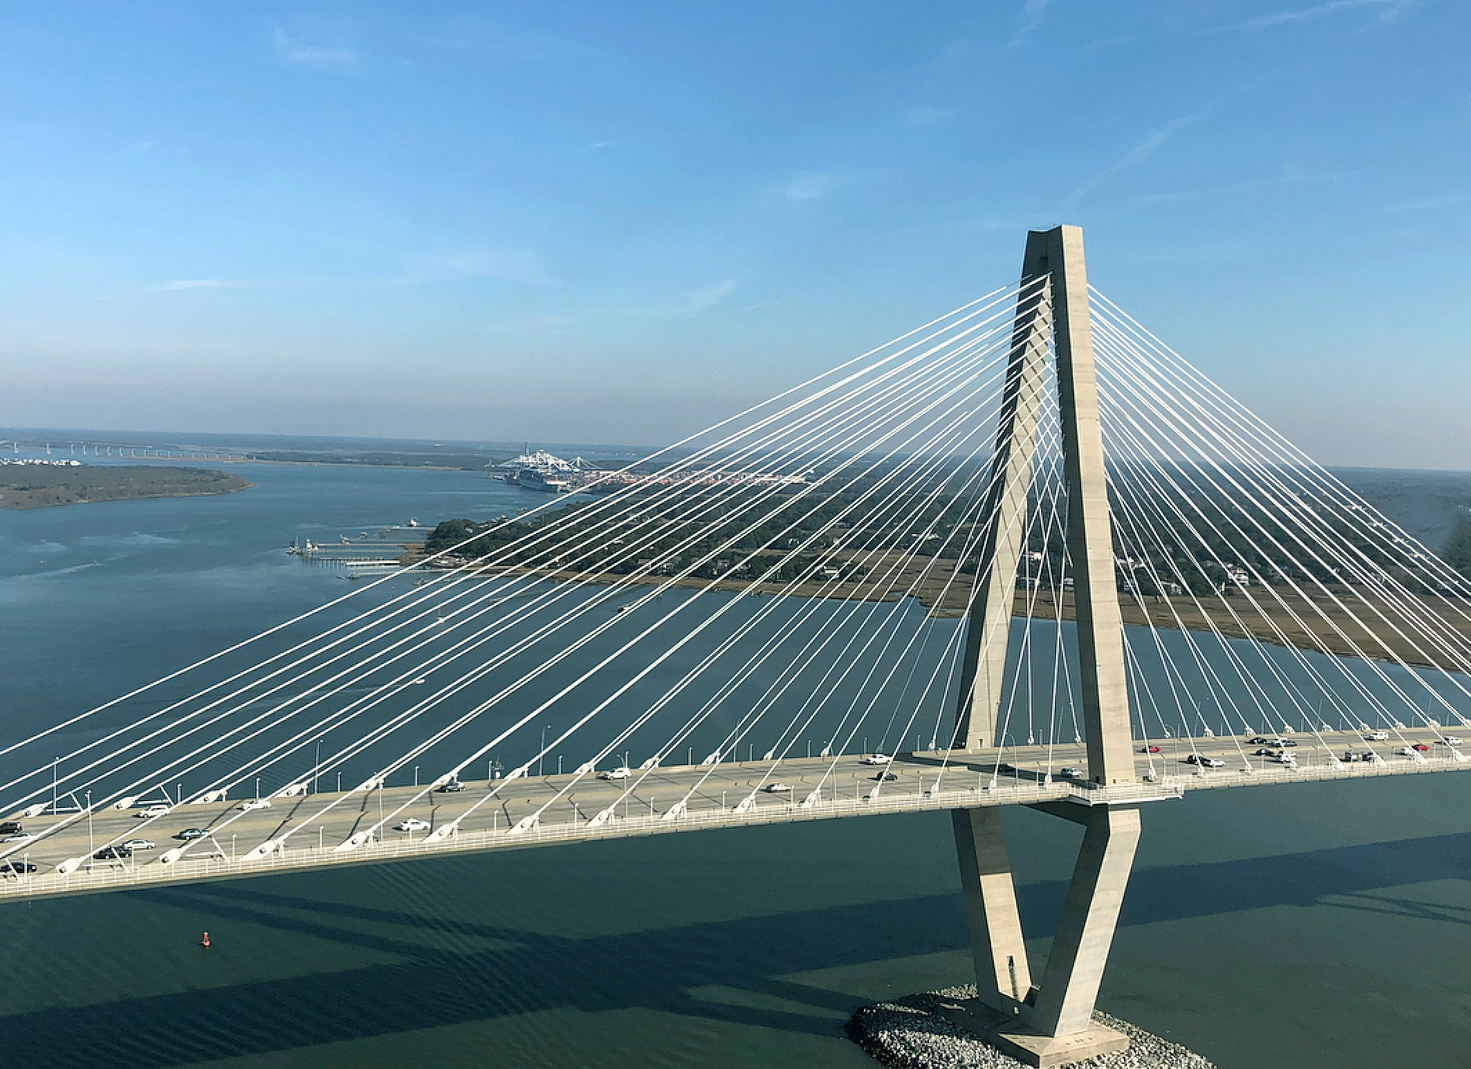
x: 658, y: 969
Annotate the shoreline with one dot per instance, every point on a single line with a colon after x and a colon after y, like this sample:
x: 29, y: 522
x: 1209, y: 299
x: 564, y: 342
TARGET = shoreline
x: 43, y: 487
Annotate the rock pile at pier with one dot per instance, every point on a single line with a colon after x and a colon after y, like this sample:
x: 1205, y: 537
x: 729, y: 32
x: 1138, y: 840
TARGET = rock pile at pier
x: 912, y: 1033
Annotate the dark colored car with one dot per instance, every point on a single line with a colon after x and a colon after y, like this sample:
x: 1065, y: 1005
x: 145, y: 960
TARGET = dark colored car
x: 886, y: 777
x: 192, y: 833
x: 10, y: 867
x: 1260, y: 740
x: 113, y: 851
x: 10, y: 827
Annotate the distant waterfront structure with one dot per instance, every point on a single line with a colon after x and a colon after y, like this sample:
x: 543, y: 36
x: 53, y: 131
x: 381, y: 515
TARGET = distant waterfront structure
x: 545, y: 472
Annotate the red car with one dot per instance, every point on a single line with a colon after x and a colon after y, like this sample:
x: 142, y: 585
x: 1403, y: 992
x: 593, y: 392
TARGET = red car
x: 1149, y: 749
x: 1421, y: 747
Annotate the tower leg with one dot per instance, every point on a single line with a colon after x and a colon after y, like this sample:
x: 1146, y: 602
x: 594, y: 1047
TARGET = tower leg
x: 1003, y: 979
x: 1089, y: 916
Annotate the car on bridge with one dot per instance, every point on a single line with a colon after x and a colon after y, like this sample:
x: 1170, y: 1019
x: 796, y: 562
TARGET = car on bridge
x: 450, y: 787
x: 255, y: 803
x: 1405, y: 751
x: 621, y: 772
x: 16, y: 867
x: 1449, y: 740
x: 1264, y: 751
x: 190, y: 834
x: 10, y: 827
x: 1203, y: 761
x: 118, y: 852
x: 885, y: 777
x: 1421, y: 747
x: 411, y: 824
x: 139, y: 844
x: 152, y: 811
x: 777, y: 788
x: 1151, y: 748
x: 875, y: 759
x: 1376, y: 736
x: 1069, y: 772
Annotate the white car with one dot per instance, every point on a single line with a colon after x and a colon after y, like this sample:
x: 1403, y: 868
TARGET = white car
x: 153, y: 811
x: 1069, y: 772
x: 1449, y: 740
x: 18, y: 837
x: 621, y: 772
x: 412, y: 824
x: 1377, y: 736
x: 1404, y: 751
x: 875, y: 759
x: 139, y: 844
x: 254, y: 803
x: 777, y: 788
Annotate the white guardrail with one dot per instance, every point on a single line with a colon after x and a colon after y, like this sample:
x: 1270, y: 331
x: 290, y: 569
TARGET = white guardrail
x: 1004, y: 791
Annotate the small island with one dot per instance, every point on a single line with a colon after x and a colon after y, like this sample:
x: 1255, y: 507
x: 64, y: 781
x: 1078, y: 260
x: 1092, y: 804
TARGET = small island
x: 29, y: 486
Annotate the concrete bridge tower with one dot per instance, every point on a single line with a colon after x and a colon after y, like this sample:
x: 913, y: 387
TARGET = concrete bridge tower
x: 1049, y: 1023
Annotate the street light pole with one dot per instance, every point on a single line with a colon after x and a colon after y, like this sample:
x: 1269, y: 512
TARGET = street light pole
x: 89, y: 829
x: 542, y: 754
x: 317, y: 768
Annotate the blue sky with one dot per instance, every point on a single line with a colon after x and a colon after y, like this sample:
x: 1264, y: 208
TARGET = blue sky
x: 618, y: 222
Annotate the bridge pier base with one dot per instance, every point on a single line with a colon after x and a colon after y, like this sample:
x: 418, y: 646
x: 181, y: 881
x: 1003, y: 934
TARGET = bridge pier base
x: 1050, y: 1024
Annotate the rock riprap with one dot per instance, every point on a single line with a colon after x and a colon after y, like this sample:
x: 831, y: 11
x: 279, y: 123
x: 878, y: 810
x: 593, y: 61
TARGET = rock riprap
x: 912, y: 1033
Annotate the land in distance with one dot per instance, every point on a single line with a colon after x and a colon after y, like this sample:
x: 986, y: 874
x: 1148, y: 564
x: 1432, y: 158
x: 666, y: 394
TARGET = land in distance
x: 31, y: 486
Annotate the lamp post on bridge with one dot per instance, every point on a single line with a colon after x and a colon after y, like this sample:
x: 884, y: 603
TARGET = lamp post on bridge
x: 89, y: 830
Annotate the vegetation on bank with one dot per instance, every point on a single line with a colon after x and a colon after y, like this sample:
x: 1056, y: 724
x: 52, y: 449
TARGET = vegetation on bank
x: 39, y: 486
x: 1195, y: 558
x: 379, y: 459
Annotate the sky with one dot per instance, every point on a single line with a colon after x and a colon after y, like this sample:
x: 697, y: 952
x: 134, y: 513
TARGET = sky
x: 621, y: 222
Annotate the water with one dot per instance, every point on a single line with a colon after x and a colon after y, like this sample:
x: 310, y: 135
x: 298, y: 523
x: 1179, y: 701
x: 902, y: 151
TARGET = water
x: 1309, y: 926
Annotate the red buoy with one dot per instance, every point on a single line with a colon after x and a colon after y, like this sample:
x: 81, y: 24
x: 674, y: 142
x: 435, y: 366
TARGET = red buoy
x: 205, y: 941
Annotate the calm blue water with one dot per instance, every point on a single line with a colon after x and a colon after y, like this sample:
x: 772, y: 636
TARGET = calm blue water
x: 1307, y: 926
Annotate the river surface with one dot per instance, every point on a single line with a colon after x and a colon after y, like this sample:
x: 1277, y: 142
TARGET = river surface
x: 1317, y: 925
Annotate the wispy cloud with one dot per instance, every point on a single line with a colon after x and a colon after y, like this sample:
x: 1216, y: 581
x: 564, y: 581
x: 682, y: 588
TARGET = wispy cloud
x: 505, y: 264
x: 1448, y: 200
x: 1031, y: 20
x: 291, y: 50
x: 199, y: 284
x: 702, y: 300
x: 924, y: 117
x: 809, y: 185
x: 592, y: 145
x: 1389, y: 11
x: 1145, y: 148
x: 1236, y: 187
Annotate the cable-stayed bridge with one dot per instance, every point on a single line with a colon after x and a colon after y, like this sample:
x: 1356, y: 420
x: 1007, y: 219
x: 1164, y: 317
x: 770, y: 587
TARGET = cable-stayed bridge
x: 1023, y: 555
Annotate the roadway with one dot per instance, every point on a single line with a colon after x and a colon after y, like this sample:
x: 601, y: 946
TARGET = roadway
x: 326, y: 829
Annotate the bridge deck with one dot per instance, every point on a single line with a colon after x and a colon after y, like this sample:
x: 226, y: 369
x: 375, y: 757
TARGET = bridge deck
x: 923, y: 782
